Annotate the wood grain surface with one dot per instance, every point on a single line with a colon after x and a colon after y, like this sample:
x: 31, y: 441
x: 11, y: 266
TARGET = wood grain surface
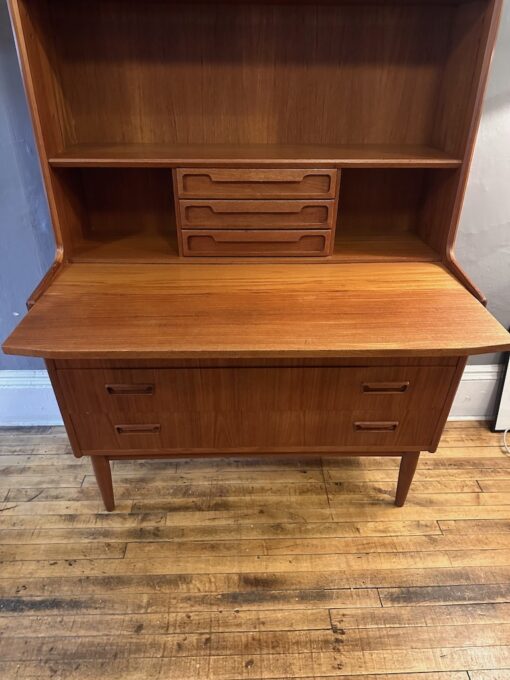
x: 271, y: 567
x: 135, y: 311
x: 253, y: 155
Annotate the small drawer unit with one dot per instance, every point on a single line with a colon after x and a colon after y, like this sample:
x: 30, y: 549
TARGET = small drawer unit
x: 308, y: 214
x: 256, y: 212
x: 271, y: 183
x: 253, y: 243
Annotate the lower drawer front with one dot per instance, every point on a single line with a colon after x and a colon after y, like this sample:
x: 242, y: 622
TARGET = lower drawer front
x: 264, y: 243
x: 272, y: 408
x: 279, y: 431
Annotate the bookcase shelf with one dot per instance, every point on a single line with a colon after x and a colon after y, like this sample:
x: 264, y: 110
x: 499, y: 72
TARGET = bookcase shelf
x: 252, y: 155
x: 360, y: 245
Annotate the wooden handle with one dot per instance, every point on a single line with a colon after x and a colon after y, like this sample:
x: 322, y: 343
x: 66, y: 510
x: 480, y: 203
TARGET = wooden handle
x: 386, y: 387
x: 137, y: 429
x: 130, y: 389
x: 376, y: 426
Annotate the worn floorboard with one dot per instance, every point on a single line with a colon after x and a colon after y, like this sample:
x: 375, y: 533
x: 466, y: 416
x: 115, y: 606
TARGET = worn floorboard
x: 255, y: 568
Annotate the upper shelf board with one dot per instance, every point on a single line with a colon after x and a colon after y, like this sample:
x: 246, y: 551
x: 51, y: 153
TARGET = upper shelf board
x: 253, y: 155
x: 372, y: 310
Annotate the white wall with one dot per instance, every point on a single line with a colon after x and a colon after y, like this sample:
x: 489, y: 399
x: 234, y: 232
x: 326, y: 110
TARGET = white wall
x: 483, y: 244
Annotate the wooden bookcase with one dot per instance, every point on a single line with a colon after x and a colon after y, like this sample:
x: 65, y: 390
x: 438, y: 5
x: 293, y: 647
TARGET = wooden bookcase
x: 204, y: 163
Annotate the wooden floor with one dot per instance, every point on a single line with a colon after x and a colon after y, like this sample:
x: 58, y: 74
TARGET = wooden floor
x: 255, y: 568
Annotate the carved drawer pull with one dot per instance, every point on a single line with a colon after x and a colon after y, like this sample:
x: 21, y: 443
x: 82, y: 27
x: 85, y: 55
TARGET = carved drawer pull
x: 376, y: 426
x: 130, y: 389
x: 137, y: 429
x: 386, y: 387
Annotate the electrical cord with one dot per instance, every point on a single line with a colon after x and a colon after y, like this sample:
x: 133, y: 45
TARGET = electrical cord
x: 506, y: 444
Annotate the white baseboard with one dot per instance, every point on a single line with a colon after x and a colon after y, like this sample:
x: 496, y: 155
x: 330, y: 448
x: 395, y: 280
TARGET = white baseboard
x: 26, y: 397
x: 503, y: 420
x: 478, y: 392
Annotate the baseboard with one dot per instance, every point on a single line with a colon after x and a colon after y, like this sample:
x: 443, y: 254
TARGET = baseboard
x: 477, y: 396
x: 26, y: 397
x: 503, y: 420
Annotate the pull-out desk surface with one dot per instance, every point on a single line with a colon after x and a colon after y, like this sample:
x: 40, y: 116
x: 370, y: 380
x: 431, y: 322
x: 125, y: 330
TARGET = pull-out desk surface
x: 109, y: 311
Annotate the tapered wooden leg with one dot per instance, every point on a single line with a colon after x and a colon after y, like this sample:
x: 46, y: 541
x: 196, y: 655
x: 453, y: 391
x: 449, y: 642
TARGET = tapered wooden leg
x: 103, y: 474
x: 406, y: 472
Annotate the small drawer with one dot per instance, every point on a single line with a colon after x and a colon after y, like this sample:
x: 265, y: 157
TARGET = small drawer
x: 248, y: 183
x: 232, y: 243
x: 257, y: 214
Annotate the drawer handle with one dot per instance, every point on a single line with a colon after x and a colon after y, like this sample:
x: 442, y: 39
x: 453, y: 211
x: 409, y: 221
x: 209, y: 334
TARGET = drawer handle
x: 386, y: 387
x: 137, y: 429
x: 117, y: 390
x: 376, y: 426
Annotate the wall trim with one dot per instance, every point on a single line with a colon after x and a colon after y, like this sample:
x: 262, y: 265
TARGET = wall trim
x: 478, y: 393
x: 26, y: 397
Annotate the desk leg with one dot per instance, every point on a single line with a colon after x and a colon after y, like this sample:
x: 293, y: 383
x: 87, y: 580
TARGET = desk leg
x: 408, y: 464
x: 103, y: 474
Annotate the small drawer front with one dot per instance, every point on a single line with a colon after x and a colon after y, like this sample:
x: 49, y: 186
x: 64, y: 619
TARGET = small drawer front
x: 256, y: 214
x: 232, y: 243
x: 249, y: 183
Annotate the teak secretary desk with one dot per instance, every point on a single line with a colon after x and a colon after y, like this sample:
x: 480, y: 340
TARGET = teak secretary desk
x: 255, y: 206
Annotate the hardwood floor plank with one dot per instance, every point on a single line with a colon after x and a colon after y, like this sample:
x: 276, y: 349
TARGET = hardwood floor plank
x: 140, y: 603
x: 37, y: 481
x: 412, y: 616
x: 471, y: 435
x: 495, y: 485
x: 219, y: 532
x: 423, y: 501
x: 397, y: 597
x: 422, y: 474
x: 143, y: 645
x: 81, y: 521
x: 444, y: 457
x: 221, y: 475
x: 343, y: 488
x: 324, y: 664
x: 60, y: 508
x: 165, y: 488
x: 410, y: 512
x: 141, y: 669
x: 70, y: 585
x: 439, y: 499
x: 165, y: 623
x: 473, y: 543
x: 35, y: 461
x: 199, y: 494
x: 65, y: 551
x: 476, y: 526
x: 44, y: 470
x: 241, y: 564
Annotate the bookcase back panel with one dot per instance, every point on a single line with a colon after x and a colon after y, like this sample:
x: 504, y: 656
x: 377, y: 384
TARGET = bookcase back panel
x: 389, y: 200
x: 127, y: 201
x: 241, y: 73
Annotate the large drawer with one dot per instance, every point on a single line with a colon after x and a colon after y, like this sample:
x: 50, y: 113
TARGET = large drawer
x: 267, y: 243
x: 213, y: 214
x: 249, y: 408
x: 256, y: 183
